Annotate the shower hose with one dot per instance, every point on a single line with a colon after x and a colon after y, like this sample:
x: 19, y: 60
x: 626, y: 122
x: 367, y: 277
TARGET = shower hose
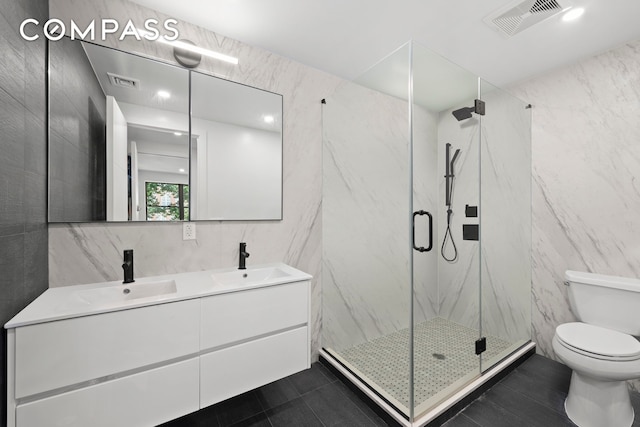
x: 448, y: 235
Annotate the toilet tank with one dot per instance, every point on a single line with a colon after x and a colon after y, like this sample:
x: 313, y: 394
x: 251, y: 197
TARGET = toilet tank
x: 608, y: 301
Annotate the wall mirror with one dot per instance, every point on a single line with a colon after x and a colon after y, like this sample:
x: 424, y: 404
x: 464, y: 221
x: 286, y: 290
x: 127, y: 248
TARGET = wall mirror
x: 123, y: 145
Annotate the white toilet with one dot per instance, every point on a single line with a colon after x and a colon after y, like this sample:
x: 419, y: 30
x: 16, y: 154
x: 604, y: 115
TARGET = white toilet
x: 601, y: 348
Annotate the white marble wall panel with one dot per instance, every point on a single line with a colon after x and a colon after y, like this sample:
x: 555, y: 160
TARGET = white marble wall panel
x: 586, y: 192
x: 366, y: 286
x: 425, y: 197
x: 84, y: 253
x: 505, y: 216
x: 493, y: 169
x: 458, y: 287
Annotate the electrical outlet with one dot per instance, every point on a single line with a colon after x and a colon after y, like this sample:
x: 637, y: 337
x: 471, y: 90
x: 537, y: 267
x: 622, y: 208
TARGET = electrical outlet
x: 188, y: 231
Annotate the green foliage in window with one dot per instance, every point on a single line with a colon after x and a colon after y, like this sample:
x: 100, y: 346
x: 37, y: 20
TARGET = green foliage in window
x: 164, y: 201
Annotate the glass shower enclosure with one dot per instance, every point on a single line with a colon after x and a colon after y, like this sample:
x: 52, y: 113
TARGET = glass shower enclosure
x: 426, y: 269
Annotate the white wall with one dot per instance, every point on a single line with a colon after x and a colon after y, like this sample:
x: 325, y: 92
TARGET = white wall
x: 239, y: 173
x: 117, y: 163
x: 136, y: 200
x: 156, y: 118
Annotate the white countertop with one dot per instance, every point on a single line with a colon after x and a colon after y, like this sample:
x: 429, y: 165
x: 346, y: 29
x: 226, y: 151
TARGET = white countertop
x: 67, y: 302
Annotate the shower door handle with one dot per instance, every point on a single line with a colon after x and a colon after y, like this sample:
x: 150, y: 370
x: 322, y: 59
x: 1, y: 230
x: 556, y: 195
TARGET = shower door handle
x: 420, y: 248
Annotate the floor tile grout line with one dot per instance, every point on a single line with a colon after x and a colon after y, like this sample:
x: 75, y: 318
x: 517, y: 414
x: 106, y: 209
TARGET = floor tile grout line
x: 470, y: 419
x: 255, y: 394
x: 535, y: 400
x: 268, y: 419
x: 354, y: 404
x: 244, y: 416
x: 313, y: 412
x: 524, y: 397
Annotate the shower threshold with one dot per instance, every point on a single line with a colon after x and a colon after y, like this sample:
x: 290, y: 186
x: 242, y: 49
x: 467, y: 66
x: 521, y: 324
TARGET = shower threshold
x: 445, y: 376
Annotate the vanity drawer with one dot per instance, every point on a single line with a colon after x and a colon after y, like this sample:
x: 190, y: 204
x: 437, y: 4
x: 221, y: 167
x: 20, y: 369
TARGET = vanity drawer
x: 67, y: 352
x: 144, y: 399
x: 238, y: 316
x: 234, y: 370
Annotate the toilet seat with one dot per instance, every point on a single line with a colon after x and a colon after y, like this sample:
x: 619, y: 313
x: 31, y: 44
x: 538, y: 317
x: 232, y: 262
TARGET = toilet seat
x: 598, y: 342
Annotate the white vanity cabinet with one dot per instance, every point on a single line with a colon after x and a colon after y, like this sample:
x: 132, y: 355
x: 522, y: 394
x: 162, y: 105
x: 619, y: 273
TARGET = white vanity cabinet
x: 252, y: 338
x: 107, y: 369
x: 146, y: 365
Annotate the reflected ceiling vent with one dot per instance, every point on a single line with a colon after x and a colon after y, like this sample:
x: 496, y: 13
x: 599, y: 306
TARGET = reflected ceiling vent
x: 122, y: 81
x: 520, y: 15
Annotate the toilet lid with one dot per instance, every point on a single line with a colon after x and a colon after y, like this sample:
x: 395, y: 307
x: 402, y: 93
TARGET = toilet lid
x: 598, y: 341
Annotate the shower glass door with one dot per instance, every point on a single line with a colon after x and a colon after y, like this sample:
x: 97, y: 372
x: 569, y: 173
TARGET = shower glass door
x: 446, y: 279
x: 426, y: 228
x: 366, y: 280
x: 505, y: 223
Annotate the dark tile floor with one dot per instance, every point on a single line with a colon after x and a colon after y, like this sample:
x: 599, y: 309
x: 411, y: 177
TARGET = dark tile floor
x: 532, y: 395
x: 314, y: 397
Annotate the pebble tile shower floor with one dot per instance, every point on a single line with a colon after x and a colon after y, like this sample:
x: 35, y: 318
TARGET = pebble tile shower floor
x: 444, y: 353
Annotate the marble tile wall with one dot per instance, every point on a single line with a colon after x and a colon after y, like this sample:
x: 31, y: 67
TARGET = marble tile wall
x: 365, y: 199
x: 496, y: 152
x: 366, y: 285
x: 366, y: 185
x: 84, y: 253
x: 586, y: 191
x: 426, y: 197
x: 458, y: 280
x: 505, y: 168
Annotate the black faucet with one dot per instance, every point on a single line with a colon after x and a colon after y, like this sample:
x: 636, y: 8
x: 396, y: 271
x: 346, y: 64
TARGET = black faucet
x: 243, y: 256
x: 127, y: 266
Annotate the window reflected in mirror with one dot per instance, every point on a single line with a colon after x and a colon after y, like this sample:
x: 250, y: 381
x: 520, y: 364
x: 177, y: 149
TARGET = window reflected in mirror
x: 166, y: 202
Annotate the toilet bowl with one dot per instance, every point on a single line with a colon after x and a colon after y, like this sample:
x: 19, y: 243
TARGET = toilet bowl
x: 601, y: 349
x: 602, y: 360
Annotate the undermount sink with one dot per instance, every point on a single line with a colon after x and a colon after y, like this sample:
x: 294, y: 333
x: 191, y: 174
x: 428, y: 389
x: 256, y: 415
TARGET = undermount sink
x: 250, y: 276
x: 127, y: 292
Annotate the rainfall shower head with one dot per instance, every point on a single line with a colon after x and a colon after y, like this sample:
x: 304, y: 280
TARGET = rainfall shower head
x: 463, y: 113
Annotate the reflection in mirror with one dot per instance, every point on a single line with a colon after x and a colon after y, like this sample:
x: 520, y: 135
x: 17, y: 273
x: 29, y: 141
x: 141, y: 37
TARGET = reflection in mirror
x: 236, y: 159
x: 160, y: 158
x: 119, y: 141
x: 117, y: 121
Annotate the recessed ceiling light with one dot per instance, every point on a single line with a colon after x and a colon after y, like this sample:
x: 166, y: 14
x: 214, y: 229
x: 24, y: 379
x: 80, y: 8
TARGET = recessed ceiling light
x: 180, y: 170
x: 572, y: 14
x: 177, y: 133
x: 268, y: 119
x: 163, y: 94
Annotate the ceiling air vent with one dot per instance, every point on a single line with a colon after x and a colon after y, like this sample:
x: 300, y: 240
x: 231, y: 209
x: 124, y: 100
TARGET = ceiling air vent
x: 520, y: 15
x: 122, y: 81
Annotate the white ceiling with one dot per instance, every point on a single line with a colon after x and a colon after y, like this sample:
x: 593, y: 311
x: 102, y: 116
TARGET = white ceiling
x: 346, y: 37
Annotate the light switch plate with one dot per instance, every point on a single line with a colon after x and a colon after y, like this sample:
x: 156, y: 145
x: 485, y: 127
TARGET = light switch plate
x: 188, y: 231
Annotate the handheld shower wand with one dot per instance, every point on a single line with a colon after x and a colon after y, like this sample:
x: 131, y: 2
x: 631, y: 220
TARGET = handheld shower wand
x: 449, y: 177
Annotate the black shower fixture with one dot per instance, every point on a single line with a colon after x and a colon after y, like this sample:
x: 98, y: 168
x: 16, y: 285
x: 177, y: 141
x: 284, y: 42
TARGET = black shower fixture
x: 449, y: 176
x: 465, y: 112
